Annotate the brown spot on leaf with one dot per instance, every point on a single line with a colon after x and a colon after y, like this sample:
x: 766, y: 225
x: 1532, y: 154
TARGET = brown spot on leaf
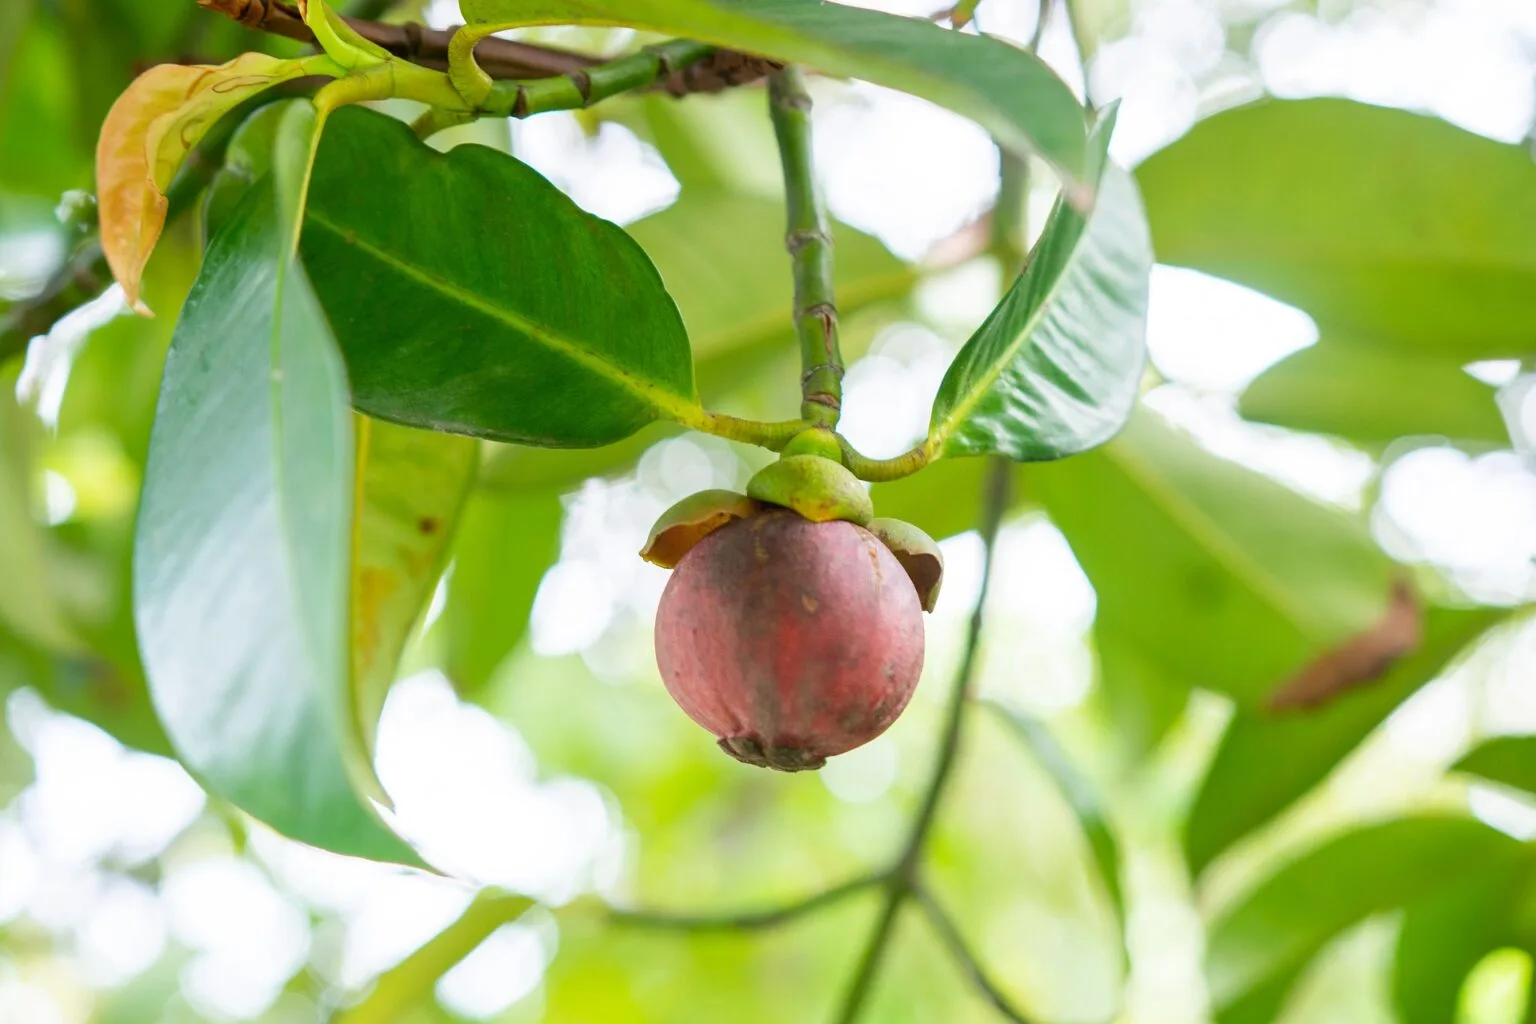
x: 1359, y: 660
x: 428, y: 525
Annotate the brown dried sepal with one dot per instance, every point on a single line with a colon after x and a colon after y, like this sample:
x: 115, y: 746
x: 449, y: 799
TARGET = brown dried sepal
x: 690, y: 521
x: 918, y: 554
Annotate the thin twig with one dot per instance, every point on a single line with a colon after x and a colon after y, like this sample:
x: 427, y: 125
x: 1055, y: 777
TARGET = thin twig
x: 904, y: 875
x: 750, y: 920
x: 501, y: 59
x: 949, y: 934
x: 809, y: 241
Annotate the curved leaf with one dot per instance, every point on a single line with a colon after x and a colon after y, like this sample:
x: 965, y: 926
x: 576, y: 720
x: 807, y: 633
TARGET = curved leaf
x: 1291, y: 915
x: 1007, y: 91
x: 411, y: 487
x: 1055, y: 368
x: 1267, y: 761
x: 1372, y: 397
x: 241, y: 554
x: 1507, y: 760
x: 147, y: 134
x: 1396, y: 229
x: 471, y: 295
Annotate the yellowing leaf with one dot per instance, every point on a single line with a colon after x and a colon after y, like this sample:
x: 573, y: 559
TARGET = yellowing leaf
x: 411, y: 487
x: 146, y: 136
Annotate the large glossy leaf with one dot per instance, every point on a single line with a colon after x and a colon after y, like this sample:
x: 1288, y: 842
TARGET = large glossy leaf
x: 1007, y: 91
x: 1219, y: 576
x: 1371, y: 397
x: 1393, y: 228
x: 411, y: 487
x: 1507, y: 760
x: 471, y: 295
x: 1282, y: 924
x: 722, y: 258
x: 241, y: 560
x: 1446, y: 934
x: 1266, y: 761
x: 508, y: 540
x: 1055, y: 368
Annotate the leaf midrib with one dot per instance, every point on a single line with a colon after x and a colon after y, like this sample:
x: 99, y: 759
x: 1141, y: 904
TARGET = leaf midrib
x: 667, y: 402
x: 1025, y: 338
x: 1210, y: 537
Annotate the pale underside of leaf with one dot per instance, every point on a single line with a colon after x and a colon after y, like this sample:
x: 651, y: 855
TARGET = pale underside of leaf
x: 1055, y: 368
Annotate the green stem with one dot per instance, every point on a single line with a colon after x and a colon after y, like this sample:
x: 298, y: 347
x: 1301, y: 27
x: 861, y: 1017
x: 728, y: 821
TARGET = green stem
x: 772, y: 436
x: 809, y: 242
x: 577, y: 89
x: 1009, y: 242
x: 882, y: 470
x: 751, y: 920
x: 903, y: 878
x: 406, y: 984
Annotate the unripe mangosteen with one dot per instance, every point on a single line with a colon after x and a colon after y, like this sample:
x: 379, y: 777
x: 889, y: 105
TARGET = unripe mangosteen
x: 790, y: 640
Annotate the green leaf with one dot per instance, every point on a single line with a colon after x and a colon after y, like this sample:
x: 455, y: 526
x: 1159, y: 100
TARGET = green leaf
x: 1055, y: 368
x: 1507, y: 760
x: 1372, y: 397
x: 1266, y: 761
x: 1138, y: 700
x: 411, y: 487
x: 1010, y: 93
x: 241, y: 557
x: 1079, y: 793
x: 508, y: 540
x: 1446, y: 934
x: 30, y: 602
x: 1283, y: 923
x: 722, y: 258
x: 470, y: 295
x: 1219, y: 576
x: 1262, y: 1004
x: 1395, y: 229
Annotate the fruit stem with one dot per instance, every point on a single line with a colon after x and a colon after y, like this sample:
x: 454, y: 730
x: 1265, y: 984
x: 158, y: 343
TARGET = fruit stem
x: 903, y: 877
x: 882, y: 470
x: 810, y: 249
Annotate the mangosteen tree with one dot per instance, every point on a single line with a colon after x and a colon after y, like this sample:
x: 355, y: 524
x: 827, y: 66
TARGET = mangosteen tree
x: 399, y: 353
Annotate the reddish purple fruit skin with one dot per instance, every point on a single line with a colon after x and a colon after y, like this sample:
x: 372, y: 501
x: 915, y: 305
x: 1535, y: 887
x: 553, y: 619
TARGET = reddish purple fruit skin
x: 790, y: 640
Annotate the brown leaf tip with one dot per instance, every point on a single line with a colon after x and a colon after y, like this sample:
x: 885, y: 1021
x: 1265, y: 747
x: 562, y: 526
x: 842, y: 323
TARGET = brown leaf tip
x: 1360, y: 659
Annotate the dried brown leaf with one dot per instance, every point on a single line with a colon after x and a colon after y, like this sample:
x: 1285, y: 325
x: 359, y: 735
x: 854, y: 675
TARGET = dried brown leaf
x: 1359, y: 660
